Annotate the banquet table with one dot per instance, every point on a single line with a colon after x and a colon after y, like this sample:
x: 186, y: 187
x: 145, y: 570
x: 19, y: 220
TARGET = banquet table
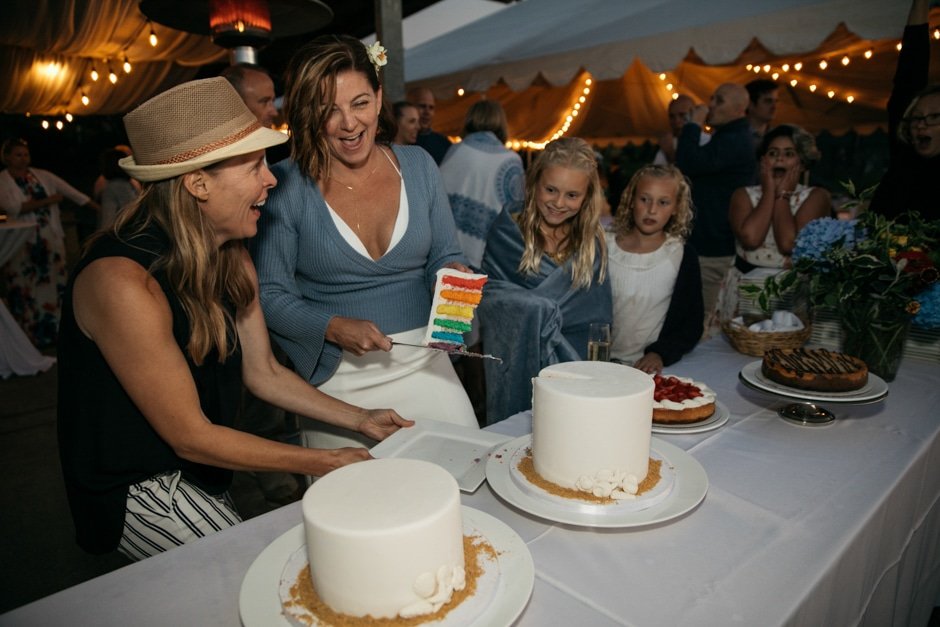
x: 834, y: 525
x: 17, y: 354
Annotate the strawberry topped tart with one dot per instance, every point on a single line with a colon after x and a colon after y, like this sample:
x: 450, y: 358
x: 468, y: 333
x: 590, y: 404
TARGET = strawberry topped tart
x: 678, y: 400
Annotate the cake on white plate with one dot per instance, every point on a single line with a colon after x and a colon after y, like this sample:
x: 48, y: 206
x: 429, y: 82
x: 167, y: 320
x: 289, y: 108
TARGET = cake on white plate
x: 591, y: 427
x: 680, y: 400
x: 385, y: 538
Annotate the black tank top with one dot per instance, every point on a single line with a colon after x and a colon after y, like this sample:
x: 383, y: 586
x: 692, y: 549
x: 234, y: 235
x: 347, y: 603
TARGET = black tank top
x: 105, y: 443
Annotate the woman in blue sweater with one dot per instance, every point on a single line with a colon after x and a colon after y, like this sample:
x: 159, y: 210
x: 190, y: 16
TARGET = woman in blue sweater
x: 350, y: 242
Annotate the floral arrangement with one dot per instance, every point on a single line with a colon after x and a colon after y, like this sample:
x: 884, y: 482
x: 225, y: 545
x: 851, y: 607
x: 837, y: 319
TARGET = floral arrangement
x: 377, y: 55
x: 887, y: 267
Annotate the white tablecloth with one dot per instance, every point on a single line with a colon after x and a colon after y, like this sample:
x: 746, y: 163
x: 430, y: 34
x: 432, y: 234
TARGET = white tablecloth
x: 836, y: 525
x: 17, y: 354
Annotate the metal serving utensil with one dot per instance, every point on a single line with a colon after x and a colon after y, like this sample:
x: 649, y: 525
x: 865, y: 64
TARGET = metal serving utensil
x: 463, y: 353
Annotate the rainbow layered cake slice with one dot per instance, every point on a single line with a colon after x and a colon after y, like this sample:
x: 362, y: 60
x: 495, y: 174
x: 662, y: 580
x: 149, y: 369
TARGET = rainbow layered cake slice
x: 456, y: 296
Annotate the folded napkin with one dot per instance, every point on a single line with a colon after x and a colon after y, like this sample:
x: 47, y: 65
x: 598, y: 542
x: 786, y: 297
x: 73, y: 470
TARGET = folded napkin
x: 779, y: 321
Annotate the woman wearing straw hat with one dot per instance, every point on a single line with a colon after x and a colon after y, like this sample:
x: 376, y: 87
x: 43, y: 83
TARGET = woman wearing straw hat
x: 350, y: 242
x: 161, y: 325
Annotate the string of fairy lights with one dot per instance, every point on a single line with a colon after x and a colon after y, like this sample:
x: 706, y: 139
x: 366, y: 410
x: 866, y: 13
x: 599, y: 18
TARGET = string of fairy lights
x: 109, y: 70
x: 791, y: 73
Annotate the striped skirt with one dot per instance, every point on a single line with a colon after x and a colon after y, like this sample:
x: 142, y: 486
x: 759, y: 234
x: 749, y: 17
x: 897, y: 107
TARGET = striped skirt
x: 166, y: 511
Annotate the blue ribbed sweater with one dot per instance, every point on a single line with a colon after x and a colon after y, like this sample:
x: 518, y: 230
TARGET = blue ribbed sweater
x: 309, y: 273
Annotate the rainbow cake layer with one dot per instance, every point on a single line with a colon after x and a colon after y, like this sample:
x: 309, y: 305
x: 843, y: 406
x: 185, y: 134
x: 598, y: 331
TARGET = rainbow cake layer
x: 456, y: 296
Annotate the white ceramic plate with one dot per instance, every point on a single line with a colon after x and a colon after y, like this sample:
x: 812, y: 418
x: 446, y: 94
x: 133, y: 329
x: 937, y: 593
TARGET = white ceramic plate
x: 717, y: 419
x: 690, y: 487
x: 873, y: 391
x: 461, y: 451
x: 259, y: 602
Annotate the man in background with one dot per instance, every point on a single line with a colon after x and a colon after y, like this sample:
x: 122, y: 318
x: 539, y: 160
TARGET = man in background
x: 763, y: 95
x: 715, y: 170
x: 435, y: 143
x: 679, y: 112
x: 254, y: 84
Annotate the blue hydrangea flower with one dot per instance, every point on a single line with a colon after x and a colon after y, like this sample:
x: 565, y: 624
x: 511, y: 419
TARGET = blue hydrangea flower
x: 929, y: 315
x: 820, y: 236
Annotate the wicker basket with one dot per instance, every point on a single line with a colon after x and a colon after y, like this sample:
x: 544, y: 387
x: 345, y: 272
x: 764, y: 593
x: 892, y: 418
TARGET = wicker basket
x: 756, y: 342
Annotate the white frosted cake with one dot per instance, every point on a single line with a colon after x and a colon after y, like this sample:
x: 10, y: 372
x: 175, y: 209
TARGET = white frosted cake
x: 591, y: 425
x: 385, y: 538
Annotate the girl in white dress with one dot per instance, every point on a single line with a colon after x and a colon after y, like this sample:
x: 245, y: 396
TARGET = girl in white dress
x: 654, y: 274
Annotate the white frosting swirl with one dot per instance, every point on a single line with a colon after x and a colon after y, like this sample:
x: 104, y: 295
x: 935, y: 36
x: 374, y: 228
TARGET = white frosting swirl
x: 608, y: 483
x: 435, y: 589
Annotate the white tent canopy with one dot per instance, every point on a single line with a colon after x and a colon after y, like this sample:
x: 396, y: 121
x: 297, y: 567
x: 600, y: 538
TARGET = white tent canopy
x: 544, y: 44
x: 557, y: 38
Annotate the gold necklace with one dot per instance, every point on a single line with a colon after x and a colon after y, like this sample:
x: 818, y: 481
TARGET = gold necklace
x: 363, y: 181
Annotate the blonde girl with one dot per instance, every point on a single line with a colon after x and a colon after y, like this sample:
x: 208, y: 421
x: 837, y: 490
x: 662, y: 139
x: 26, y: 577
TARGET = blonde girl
x: 654, y: 273
x: 547, y: 263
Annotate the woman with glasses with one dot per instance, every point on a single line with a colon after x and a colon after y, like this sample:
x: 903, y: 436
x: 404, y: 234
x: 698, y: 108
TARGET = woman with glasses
x: 914, y: 127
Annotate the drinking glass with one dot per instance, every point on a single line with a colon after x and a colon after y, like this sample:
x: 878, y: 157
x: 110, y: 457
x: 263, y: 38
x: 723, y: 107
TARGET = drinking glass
x: 599, y: 342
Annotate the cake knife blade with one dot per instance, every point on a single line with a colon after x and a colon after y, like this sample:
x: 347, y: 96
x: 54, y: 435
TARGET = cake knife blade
x: 463, y: 353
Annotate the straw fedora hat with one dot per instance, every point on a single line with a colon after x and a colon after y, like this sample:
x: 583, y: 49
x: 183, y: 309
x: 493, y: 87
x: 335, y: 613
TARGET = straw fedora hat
x: 191, y: 126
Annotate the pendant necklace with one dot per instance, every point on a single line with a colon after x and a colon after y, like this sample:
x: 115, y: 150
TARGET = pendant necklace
x: 360, y: 183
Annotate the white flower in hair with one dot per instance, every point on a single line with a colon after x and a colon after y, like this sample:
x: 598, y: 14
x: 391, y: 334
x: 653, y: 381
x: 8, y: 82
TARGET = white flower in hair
x: 376, y: 54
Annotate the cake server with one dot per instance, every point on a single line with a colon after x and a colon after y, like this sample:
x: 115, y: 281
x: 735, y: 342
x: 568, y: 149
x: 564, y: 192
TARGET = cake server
x: 454, y: 352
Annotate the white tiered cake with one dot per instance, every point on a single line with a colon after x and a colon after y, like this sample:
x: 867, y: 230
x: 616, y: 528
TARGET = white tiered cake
x: 591, y: 425
x: 385, y: 538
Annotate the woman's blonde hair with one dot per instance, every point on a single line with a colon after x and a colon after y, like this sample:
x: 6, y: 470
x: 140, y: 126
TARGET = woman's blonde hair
x: 203, y: 275
x: 486, y: 115
x: 585, y: 240
x: 680, y: 223
x: 310, y: 92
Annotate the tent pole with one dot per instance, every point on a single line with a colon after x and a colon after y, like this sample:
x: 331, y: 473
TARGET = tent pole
x: 388, y: 31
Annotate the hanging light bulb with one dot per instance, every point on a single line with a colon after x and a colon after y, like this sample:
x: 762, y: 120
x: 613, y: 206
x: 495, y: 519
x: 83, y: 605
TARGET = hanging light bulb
x: 899, y: 46
x: 798, y: 66
x: 793, y: 82
x: 749, y: 67
x: 127, y: 65
x: 94, y: 73
x: 85, y: 99
x: 845, y: 60
x: 153, y: 35
x: 785, y: 67
x: 460, y: 91
x: 669, y: 86
x: 59, y: 124
x: 662, y: 75
x: 831, y: 93
x: 868, y: 54
x: 45, y: 124
x: 68, y: 116
x: 850, y: 99
x: 675, y: 95
x: 767, y: 68
x: 812, y: 87
x: 775, y: 75
x: 111, y: 75
x: 823, y: 64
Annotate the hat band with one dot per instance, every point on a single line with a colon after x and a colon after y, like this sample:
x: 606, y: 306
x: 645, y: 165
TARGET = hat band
x: 213, y: 146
